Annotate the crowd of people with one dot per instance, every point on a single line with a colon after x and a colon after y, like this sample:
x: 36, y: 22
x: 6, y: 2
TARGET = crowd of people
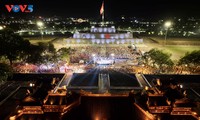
x: 87, y: 53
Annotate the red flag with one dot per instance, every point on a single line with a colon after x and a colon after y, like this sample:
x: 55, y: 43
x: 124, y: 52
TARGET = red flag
x: 102, y: 8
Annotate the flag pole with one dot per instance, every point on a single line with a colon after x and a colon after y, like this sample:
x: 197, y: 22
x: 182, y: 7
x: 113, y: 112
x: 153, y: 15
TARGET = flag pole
x: 102, y: 13
x: 103, y: 17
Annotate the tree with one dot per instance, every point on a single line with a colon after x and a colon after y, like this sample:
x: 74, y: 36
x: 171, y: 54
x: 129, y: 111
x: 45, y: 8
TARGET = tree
x: 26, y: 45
x: 5, y: 71
x: 157, y: 58
x: 12, y: 45
x: 49, y: 52
x: 51, y: 48
x: 64, y: 53
x: 192, y: 60
x: 35, y: 54
x: 42, y: 53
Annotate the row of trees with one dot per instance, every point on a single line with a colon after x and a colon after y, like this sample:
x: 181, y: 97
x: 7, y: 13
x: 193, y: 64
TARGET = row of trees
x: 161, y: 60
x: 15, y: 48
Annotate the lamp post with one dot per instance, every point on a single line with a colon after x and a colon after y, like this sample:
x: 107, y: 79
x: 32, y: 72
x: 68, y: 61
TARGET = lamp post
x: 1, y: 27
x: 167, y: 25
x: 40, y: 26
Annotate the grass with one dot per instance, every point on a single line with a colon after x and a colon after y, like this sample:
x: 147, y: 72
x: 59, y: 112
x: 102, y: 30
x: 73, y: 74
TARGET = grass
x: 177, y: 47
x: 179, y: 51
x: 35, y: 40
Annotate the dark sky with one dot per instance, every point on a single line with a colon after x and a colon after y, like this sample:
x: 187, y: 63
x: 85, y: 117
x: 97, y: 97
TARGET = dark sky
x: 113, y: 8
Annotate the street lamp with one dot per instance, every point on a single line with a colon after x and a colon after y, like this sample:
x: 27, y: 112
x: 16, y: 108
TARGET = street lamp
x: 40, y: 26
x: 2, y: 27
x: 167, y: 25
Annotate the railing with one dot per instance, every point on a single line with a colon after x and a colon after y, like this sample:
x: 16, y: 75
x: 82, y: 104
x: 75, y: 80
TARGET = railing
x: 146, y: 80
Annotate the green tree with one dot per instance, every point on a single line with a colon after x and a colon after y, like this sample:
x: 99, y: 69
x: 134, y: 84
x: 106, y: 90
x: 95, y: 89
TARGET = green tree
x: 12, y: 45
x: 26, y: 45
x: 51, y: 48
x: 65, y: 53
x: 35, y: 54
x: 42, y: 53
x: 157, y: 58
x: 192, y: 60
x: 5, y: 71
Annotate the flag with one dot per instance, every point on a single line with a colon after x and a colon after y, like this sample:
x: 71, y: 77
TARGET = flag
x: 102, y: 8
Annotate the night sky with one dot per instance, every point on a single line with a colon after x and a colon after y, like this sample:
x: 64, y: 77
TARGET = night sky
x: 113, y: 8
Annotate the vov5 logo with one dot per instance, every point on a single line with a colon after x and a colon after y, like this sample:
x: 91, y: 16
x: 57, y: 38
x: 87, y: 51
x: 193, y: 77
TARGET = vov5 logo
x: 19, y: 8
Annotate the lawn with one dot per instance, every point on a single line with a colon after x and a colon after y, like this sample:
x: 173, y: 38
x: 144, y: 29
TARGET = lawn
x: 178, y: 51
x: 35, y: 40
x: 178, y: 46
